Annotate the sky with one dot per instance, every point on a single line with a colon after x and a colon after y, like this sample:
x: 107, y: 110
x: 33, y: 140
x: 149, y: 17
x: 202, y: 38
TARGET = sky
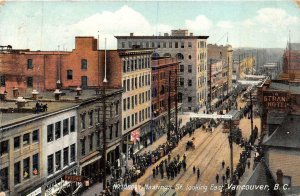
x: 53, y: 25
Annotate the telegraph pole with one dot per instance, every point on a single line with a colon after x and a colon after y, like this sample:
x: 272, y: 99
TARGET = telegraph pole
x: 251, y: 112
x: 230, y: 146
x: 176, y: 104
x: 169, y: 107
x: 210, y: 90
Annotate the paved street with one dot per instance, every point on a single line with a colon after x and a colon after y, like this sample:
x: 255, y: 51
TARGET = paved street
x: 211, y: 149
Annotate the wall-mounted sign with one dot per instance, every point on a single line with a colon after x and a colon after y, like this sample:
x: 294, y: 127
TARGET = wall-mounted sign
x: 275, y: 99
x: 73, y: 178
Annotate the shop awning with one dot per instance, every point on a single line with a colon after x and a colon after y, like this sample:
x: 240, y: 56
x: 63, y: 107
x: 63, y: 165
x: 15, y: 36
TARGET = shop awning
x: 90, y: 159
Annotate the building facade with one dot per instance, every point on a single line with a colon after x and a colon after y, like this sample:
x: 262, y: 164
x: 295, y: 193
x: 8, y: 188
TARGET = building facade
x: 164, y: 79
x: 224, y: 53
x: 190, y: 50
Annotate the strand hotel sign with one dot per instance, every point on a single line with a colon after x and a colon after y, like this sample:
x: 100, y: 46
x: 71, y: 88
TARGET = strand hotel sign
x: 275, y: 99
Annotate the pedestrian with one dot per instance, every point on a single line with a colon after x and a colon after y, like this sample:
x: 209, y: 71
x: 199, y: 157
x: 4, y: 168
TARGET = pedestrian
x: 227, y: 172
x: 153, y: 171
x: 194, y: 169
x: 248, y: 163
x: 198, y: 174
x: 184, y: 157
x: 217, y: 178
x: 223, y: 164
x: 223, y: 178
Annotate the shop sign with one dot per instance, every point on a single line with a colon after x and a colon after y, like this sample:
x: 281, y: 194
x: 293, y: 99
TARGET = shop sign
x: 275, y: 99
x: 135, y: 136
x: 73, y: 178
x: 38, y: 191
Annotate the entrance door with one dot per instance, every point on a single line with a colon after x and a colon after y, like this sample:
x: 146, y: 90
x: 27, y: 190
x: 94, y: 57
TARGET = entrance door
x: 84, y: 82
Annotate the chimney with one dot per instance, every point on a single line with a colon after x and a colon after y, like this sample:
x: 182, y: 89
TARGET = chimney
x: 57, y: 94
x: 20, y: 101
x: 191, y: 34
x: 34, y: 94
x: 131, y: 34
x: 166, y: 34
x: 15, y: 92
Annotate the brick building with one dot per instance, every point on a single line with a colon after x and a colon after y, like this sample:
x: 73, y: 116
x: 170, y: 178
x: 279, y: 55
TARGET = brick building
x: 163, y: 70
x: 291, y: 63
x: 190, y: 50
x: 27, y: 70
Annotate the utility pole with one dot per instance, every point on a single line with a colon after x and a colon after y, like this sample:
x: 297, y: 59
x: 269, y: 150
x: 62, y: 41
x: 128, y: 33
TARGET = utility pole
x: 210, y: 81
x: 227, y: 74
x: 169, y: 107
x: 239, y: 66
x: 176, y: 104
x: 230, y: 146
x: 104, y: 120
x: 251, y: 112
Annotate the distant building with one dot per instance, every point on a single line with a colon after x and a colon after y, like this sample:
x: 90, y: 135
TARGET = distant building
x: 190, y: 51
x: 291, y: 63
x: 225, y: 54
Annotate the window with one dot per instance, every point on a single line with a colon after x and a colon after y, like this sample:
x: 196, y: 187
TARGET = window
x: 117, y: 108
x: 66, y: 156
x: 123, y: 44
x: 4, y: 179
x: 35, y: 164
x: 189, y: 44
x: 69, y: 74
x: 124, y: 104
x: 190, y: 108
x: 17, y: 142
x: 17, y: 170
x: 132, y: 102
x: 128, y: 84
x: 181, y: 81
x: 182, y: 44
x: 170, y: 44
x: 158, y: 44
x: 152, y: 44
x: 202, y: 44
x: 189, y: 99
x: 83, y: 147
x: 128, y: 121
x: 84, y: 82
x: 91, y: 141
x: 164, y: 44
x: 82, y: 120
x: 50, y: 164
x: 132, y: 120
x: 29, y: 64
x: 91, y: 117
x: 189, y: 82
x: 147, y: 44
x: 35, y: 136
x: 26, y: 173
x: 57, y: 130
x: 132, y: 83
x: 57, y: 160
x: 129, y: 44
x: 29, y: 81
x: 73, y: 153
x: 181, y: 68
x: 176, y: 44
x: 190, y: 68
x: 72, y: 127
x: 124, y: 123
x: 117, y: 129
x: 26, y: 139
x: 135, y: 99
x: 124, y: 85
x: 2, y: 80
x: 180, y: 97
x: 128, y: 103
x: 84, y: 64
x: 4, y: 147
x: 66, y: 127
x: 50, y: 133
x: 190, y: 56
x: 110, y: 132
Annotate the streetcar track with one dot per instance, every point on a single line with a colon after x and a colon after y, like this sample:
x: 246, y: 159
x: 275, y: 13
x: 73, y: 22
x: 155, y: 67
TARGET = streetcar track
x: 197, y: 155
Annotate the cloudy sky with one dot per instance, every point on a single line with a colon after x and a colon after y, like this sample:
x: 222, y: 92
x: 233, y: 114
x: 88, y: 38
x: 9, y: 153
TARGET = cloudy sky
x: 48, y: 25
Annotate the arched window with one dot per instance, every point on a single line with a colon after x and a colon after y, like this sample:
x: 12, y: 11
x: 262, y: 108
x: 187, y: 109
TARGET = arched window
x: 179, y: 56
